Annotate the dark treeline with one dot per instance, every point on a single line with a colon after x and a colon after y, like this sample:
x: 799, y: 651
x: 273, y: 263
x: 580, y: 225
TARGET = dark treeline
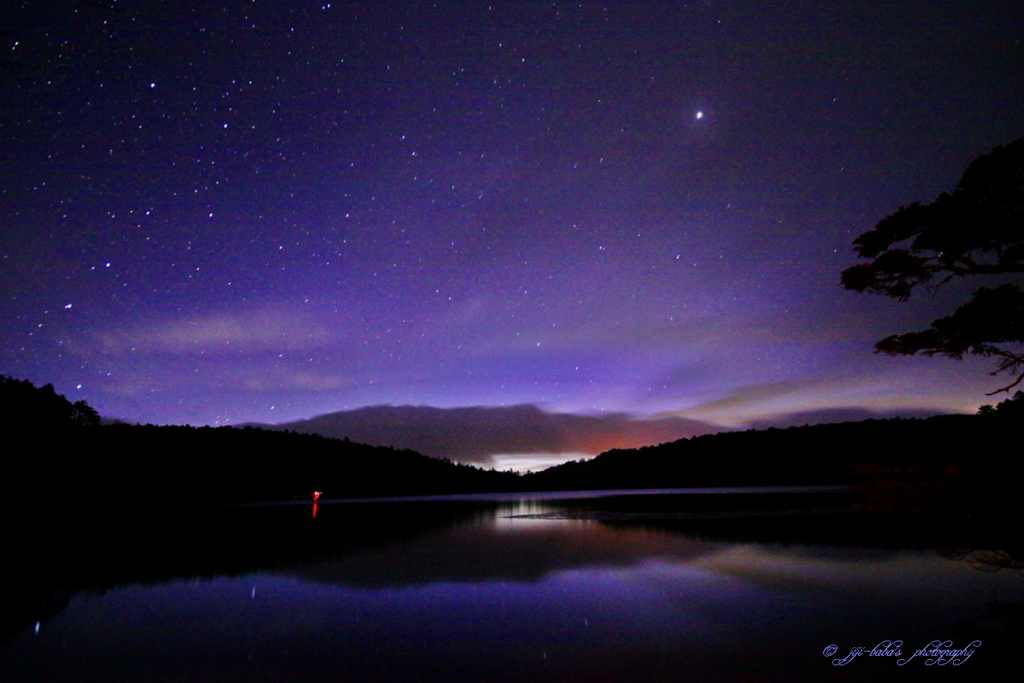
x: 51, y: 454
x: 951, y: 477
x: 48, y: 555
x: 88, y: 507
x: 818, y: 454
x: 54, y: 449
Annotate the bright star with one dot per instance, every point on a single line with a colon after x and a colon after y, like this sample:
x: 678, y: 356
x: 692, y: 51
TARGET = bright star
x: 700, y: 115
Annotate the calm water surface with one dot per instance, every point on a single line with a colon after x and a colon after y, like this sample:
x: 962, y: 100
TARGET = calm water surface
x: 536, y: 590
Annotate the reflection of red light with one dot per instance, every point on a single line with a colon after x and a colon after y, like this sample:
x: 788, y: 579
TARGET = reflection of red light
x: 314, y: 510
x: 316, y: 495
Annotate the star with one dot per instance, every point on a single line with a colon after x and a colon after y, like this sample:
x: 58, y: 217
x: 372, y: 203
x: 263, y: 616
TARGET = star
x: 314, y: 158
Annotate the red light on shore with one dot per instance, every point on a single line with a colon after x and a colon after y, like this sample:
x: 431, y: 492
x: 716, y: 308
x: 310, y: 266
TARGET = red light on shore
x: 317, y: 494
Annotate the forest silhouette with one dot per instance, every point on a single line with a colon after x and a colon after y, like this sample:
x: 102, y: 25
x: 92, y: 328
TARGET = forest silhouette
x: 57, y: 451
x: 90, y: 506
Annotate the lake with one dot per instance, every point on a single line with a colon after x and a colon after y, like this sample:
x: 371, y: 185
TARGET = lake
x: 639, y: 586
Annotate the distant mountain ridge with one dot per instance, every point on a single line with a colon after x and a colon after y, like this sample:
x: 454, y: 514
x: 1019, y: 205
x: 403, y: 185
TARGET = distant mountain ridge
x: 475, y: 434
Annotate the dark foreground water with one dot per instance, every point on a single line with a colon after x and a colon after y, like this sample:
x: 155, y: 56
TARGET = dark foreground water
x: 629, y: 588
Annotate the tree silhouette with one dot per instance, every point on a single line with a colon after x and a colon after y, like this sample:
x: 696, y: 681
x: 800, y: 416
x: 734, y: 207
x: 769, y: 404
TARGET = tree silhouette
x: 976, y: 230
x: 84, y: 414
x: 1010, y: 407
x: 27, y: 409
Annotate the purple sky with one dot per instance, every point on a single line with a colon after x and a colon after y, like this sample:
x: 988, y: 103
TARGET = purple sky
x: 265, y: 211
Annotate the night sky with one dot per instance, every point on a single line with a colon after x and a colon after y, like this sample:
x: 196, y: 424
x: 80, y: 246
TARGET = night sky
x: 216, y: 213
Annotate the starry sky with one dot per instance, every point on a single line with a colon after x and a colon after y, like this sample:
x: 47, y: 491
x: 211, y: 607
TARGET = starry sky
x: 255, y: 211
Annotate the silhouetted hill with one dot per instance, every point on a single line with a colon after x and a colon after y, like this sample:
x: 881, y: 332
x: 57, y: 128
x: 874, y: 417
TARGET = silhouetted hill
x: 50, y: 452
x: 25, y: 408
x: 220, y: 465
x: 49, y: 455
x: 818, y: 454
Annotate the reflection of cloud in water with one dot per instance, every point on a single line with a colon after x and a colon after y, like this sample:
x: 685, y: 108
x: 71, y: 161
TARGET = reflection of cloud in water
x: 518, y: 550
x: 482, y: 596
x: 910, y: 574
x: 511, y: 549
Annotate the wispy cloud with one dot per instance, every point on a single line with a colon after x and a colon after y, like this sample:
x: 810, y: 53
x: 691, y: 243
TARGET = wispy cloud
x: 832, y: 398
x: 217, y: 333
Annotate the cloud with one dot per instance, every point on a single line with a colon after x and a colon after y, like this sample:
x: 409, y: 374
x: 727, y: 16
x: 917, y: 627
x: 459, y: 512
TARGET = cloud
x: 253, y: 331
x: 816, y: 401
x: 746, y: 397
x: 288, y: 380
x: 477, y: 434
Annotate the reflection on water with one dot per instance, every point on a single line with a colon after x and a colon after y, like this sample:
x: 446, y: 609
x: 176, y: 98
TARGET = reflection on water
x: 517, y: 590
